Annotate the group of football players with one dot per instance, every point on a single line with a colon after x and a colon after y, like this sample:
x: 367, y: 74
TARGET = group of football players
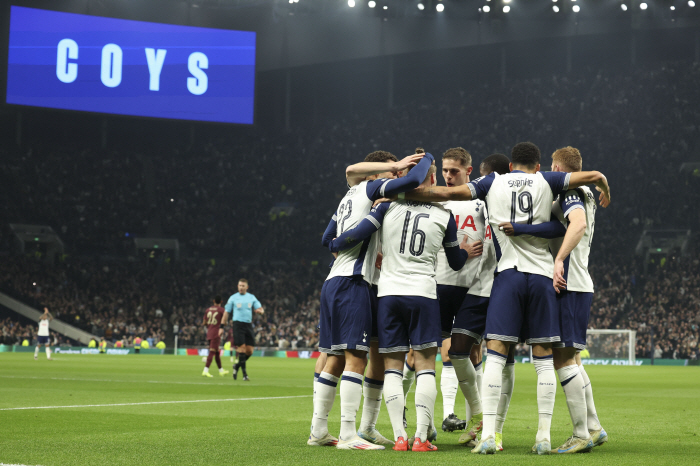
x: 420, y: 269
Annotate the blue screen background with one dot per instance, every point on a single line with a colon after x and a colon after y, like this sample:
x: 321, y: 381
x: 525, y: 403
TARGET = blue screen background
x: 32, y: 80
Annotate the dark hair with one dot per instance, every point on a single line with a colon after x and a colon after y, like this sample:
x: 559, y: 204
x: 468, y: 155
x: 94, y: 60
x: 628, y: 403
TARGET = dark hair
x: 498, y: 163
x: 460, y: 155
x: 217, y: 299
x: 420, y: 150
x: 381, y: 156
x: 526, y: 154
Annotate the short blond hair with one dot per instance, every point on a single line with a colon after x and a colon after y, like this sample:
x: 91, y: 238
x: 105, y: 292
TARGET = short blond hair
x: 568, y: 157
x: 459, y: 154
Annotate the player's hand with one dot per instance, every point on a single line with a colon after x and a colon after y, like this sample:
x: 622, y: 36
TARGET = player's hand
x: 221, y: 332
x: 259, y: 311
x: 406, y: 163
x: 558, y: 281
x: 507, y: 228
x: 46, y: 310
x: 378, y: 260
x: 383, y: 199
x: 604, y: 198
x: 474, y: 249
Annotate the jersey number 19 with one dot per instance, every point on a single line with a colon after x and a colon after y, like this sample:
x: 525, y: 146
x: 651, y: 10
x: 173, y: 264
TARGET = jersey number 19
x: 524, y: 203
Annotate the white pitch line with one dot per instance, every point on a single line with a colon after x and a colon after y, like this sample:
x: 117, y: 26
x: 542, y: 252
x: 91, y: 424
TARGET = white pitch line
x: 3, y: 464
x: 128, y: 381
x: 158, y: 403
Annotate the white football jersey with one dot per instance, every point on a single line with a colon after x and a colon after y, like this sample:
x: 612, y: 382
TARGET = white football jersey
x: 577, y: 276
x: 487, y: 262
x: 519, y: 197
x: 470, y: 222
x: 43, y: 328
x: 411, y: 234
x: 360, y: 259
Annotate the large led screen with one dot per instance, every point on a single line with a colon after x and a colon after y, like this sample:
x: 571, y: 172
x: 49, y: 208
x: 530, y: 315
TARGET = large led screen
x: 107, y: 65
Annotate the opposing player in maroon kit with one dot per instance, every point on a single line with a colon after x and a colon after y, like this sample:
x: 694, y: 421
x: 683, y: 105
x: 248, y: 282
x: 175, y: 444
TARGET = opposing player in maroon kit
x: 214, y: 318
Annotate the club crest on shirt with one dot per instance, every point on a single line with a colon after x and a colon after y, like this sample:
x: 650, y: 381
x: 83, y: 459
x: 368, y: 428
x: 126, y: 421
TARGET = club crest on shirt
x: 238, y: 305
x: 478, y: 205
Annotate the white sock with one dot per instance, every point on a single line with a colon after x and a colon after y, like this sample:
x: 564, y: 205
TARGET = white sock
x: 409, y: 375
x: 572, y: 383
x: 546, y: 392
x: 479, y: 368
x: 36, y: 352
x: 48, y: 352
x: 350, y: 399
x: 372, y: 393
x: 206, y: 369
x: 323, y: 402
x: 464, y: 369
x: 426, y: 392
x: 491, y: 394
x: 506, y: 393
x: 394, y: 401
x: 593, y: 421
x: 448, y: 388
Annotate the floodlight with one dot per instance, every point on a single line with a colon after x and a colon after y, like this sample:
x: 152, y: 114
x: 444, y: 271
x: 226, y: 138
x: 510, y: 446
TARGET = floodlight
x: 506, y: 9
x: 576, y: 8
x: 440, y: 7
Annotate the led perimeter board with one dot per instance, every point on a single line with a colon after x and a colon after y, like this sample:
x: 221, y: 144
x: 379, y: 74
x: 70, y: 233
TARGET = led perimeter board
x: 96, y: 64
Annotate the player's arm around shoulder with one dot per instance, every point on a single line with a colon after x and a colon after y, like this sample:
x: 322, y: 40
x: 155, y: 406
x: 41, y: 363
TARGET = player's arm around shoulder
x: 355, y: 174
x: 578, y: 179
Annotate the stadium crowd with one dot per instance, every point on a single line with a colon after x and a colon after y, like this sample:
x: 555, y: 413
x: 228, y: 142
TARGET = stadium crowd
x: 189, y: 193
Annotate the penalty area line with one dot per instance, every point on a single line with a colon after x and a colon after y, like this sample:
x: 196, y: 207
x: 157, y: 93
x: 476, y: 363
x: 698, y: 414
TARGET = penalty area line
x: 156, y: 403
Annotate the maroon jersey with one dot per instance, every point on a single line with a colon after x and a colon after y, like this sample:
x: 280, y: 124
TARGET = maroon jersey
x: 213, y: 318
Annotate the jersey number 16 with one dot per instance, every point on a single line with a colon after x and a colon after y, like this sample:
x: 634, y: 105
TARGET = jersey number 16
x: 417, y: 232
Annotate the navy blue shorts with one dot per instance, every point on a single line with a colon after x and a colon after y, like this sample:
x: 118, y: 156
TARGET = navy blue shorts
x: 42, y: 340
x: 522, y: 306
x: 574, y: 311
x: 471, y: 317
x: 346, y: 315
x: 450, y: 298
x: 408, y: 320
x: 375, y: 310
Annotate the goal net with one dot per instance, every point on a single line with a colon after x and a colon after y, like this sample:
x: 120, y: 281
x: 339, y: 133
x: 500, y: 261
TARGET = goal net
x: 611, y: 344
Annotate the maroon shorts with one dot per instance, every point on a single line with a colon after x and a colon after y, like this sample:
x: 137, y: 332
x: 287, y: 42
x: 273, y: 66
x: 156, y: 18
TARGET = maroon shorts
x: 214, y: 343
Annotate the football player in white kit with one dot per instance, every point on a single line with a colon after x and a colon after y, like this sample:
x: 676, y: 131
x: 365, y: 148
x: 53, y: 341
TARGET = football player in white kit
x: 378, y: 164
x: 346, y: 315
x: 411, y: 235
x: 523, y: 301
x: 43, y: 336
x: 452, y: 285
x: 470, y: 321
x: 574, y: 286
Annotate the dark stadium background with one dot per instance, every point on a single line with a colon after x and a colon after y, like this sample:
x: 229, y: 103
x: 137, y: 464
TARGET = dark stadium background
x: 333, y: 84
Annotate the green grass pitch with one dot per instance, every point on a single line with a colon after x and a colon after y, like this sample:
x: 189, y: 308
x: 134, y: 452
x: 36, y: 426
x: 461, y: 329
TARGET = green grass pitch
x: 652, y: 415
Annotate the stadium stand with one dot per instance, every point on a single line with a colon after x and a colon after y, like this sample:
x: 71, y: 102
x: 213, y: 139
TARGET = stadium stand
x: 285, y: 188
